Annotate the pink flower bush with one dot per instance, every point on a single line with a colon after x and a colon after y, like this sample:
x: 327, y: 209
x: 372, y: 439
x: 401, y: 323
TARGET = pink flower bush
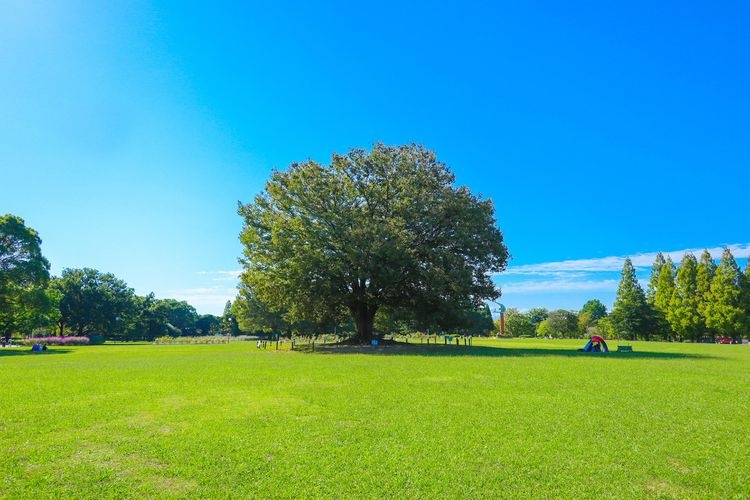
x: 57, y: 340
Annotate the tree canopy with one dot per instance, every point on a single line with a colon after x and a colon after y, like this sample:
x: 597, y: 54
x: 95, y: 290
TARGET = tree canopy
x: 24, y: 274
x: 374, y: 229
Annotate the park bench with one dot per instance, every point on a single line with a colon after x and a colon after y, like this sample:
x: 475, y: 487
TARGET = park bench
x: 624, y: 348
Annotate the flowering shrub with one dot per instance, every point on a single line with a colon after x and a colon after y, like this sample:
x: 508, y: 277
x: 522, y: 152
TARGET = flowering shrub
x: 56, y: 340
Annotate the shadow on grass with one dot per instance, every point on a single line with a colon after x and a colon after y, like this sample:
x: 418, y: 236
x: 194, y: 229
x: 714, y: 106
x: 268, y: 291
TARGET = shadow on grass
x: 28, y: 352
x: 484, y: 351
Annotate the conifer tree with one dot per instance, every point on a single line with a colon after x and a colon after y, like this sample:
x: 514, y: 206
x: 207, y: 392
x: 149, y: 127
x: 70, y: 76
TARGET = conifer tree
x: 683, y: 315
x: 631, y: 314
x: 704, y: 277
x: 653, y: 282
x: 724, y: 306
x: 663, y: 295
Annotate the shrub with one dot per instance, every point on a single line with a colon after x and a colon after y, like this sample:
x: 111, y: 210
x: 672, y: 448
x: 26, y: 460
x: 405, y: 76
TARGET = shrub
x: 56, y: 340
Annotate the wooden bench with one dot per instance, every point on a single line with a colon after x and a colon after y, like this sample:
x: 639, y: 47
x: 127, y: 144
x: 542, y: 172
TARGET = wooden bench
x: 624, y: 348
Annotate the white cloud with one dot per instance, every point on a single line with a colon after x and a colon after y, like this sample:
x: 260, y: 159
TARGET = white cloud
x: 558, y: 285
x: 222, y: 275
x: 609, y: 264
x: 205, y: 299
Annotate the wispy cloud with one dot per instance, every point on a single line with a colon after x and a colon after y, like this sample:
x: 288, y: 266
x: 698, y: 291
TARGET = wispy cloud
x: 222, y: 275
x: 207, y: 298
x: 615, y: 263
x: 559, y: 285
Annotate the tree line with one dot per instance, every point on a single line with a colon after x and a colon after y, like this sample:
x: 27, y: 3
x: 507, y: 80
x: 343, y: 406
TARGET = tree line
x: 697, y: 300
x: 84, y: 302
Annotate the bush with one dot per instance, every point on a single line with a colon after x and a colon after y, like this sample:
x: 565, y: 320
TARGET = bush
x: 56, y: 340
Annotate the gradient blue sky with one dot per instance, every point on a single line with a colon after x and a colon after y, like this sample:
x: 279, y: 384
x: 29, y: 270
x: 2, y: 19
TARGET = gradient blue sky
x: 129, y: 130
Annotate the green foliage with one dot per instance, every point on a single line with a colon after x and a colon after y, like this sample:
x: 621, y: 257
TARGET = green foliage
x: 662, y: 296
x: 94, y: 302
x: 653, y: 282
x: 543, y: 329
x: 537, y: 315
x: 24, y: 273
x: 208, y: 324
x: 518, y: 324
x: 724, y: 309
x: 384, y: 228
x: 683, y: 312
x: 560, y: 324
x: 229, y: 325
x: 595, y: 309
x: 704, y: 277
x: 631, y: 317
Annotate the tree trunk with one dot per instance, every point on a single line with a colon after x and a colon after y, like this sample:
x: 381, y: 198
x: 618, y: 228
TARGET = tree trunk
x: 364, y: 318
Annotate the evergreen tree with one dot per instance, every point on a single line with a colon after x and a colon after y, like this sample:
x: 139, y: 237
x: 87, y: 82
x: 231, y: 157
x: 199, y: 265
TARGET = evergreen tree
x: 631, y: 314
x: 704, y: 277
x: 653, y: 282
x: 683, y: 315
x: 663, y: 295
x: 725, y: 312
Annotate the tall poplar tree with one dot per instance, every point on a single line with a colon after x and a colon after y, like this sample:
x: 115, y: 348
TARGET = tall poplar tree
x: 704, y: 277
x: 631, y: 314
x: 653, y: 282
x: 683, y: 315
x: 663, y: 295
x: 725, y: 312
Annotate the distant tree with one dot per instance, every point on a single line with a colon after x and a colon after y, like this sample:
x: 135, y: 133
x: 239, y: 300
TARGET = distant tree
x: 374, y: 229
x: 544, y: 330
x: 94, y: 302
x: 180, y: 316
x: 24, y: 274
x: 683, y: 314
x: 518, y: 324
x: 537, y: 315
x: 631, y: 316
x: 663, y: 296
x: 653, y: 282
x: 595, y: 308
x: 563, y: 324
x: 208, y: 324
x: 724, y: 309
x: 229, y: 324
x: 253, y: 315
x: 704, y: 276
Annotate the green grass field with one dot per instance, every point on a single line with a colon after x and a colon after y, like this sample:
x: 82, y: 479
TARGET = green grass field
x: 505, y: 418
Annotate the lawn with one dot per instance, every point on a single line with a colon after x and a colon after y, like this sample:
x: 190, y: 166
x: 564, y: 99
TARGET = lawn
x: 502, y: 419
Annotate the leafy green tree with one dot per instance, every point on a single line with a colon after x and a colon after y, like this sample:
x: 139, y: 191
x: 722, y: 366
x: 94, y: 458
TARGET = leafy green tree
x: 537, y: 315
x: 24, y: 274
x: 683, y: 314
x: 253, y: 315
x: 518, y: 324
x: 94, y: 303
x: 543, y: 329
x: 631, y: 315
x: 229, y: 324
x: 653, y: 282
x: 179, y: 315
x: 563, y: 324
x: 725, y: 312
x: 374, y: 229
x: 596, y: 310
x: 662, y: 297
x: 208, y: 324
x: 704, y: 276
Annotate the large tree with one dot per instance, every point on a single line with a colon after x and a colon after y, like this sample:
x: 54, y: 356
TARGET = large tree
x: 725, y: 312
x: 662, y: 297
x: 653, y: 282
x: 631, y: 316
x: 24, y: 274
x: 379, y: 228
x: 94, y: 302
x: 704, y: 276
x: 683, y: 315
x: 518, y: 324
x: 595, y: 309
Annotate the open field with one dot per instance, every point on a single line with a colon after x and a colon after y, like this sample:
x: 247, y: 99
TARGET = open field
x: 504, y: 418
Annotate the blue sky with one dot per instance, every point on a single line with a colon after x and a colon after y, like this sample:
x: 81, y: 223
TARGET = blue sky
x: 129, y: 132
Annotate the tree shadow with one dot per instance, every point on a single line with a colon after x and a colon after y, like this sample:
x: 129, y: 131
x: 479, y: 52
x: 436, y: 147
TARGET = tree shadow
x: 28, y: 352
x: 485, y: 351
